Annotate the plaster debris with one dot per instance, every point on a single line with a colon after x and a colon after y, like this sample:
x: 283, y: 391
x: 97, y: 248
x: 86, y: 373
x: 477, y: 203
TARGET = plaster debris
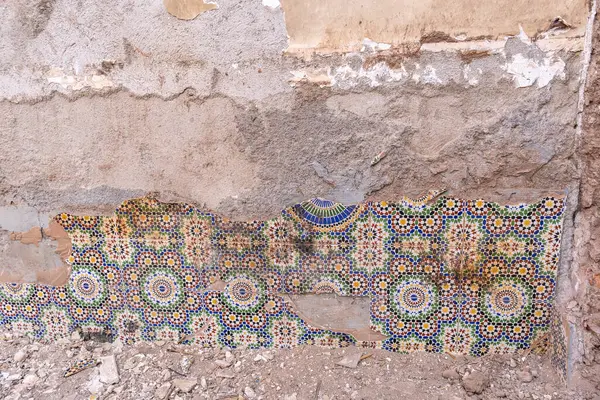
x: 350, y: 361
x: 527, y: 72
x: 109, y: 373
x: 188, y: 9
x: 271, y: 3
x: 78, y: 82
x: 185, y: 385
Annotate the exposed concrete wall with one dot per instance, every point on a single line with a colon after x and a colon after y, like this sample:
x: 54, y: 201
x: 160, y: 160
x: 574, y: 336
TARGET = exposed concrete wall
x: 103, y: 102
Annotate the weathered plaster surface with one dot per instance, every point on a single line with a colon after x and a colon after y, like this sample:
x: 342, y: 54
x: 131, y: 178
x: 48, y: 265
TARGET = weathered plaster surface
x: 342, y: 24
x: 104, y: 102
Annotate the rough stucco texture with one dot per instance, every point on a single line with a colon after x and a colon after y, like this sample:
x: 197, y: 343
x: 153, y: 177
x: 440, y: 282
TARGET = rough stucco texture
x: 105, y: 102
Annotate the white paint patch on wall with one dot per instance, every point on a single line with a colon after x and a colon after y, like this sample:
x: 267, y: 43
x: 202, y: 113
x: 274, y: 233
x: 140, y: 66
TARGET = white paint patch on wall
x: 370, y: 45
x: 78, y: 82
x: 377, y: 75
x: 526, y: 71
x: 271, y: 3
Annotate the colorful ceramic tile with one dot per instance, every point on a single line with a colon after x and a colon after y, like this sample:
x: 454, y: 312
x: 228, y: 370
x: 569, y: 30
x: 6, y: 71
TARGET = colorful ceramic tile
x: 444, y: 275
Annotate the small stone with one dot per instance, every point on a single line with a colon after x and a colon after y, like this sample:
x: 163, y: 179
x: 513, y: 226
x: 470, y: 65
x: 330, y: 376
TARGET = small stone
x: 225, y: 374
x: 117, y: 346
x: 451, y: 373
x: 109, y: 373
x: 203, y: 383
x: 249, y: 392
x: 186, y: 363
x: 185, y: 385
x: 14, y: 377
x: 20, y: 356
x: 500, y: 394
x: 222, y: 363
x: 513, y: 363
x: 475, y: 382
x: 163, y: 391
x: 525, y: 376
x: 292, y: 396
x: 30, y: 380
x: 228, y: 356
x: 350, y: 361
x: 75, y: 336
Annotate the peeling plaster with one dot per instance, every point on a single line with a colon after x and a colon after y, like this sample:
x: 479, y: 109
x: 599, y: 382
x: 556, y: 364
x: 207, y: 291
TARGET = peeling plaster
x: 78, y: 82
x: 271, y: 3
x: 468, y: 63
x: 527, y: 71
x: 377, y: 75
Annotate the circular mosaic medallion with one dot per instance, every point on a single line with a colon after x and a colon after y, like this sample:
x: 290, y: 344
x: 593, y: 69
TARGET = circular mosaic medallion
x: 506, y: 300
x: 86, y: 286
x: 162, y: 288
x: 244, y: 294
x: 16, y: 292
x: 413, y: 298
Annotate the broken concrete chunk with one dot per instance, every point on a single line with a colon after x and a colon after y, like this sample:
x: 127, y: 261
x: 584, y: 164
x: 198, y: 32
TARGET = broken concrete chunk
x: 185, y: 385
x: 225, y: 374
x: 188, y: 9
x: 475, y: 382
x: 109, y: 373
x: 350, y: 361
x: 163, y: 391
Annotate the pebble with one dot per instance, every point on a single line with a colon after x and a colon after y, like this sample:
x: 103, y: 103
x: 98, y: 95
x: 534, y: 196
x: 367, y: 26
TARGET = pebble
x: 225, y: 374
x: 185, y: 385
x: 30, y: 380
x: 163, y: 391
x: 451, y: 373
x: 249, y: 392
x: 513, y: 363
x: 222, y: 363
x: 20, y: 356
x: 203, y: 383
x: 525, y: 376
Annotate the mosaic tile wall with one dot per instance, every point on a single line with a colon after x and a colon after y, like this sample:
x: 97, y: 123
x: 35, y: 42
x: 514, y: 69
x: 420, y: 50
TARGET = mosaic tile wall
x: 448, y: 275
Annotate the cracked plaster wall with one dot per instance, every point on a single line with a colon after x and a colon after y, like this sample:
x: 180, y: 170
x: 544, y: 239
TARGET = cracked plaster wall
x: 104, y: 102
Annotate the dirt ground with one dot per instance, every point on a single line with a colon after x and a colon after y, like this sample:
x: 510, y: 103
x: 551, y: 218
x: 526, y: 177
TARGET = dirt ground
x: 165, y: 370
